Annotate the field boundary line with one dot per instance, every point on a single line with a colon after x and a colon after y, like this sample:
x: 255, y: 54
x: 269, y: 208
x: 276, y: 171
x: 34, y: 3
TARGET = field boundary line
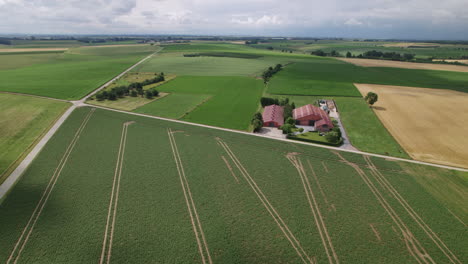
x: 113, y: 201
x: 318, y: 218
x: 412, y: 243
x: 266, y: 203
x: 386, y: 185
x: 282, y: 139
x: 22, y: 240
x: 197, y: 228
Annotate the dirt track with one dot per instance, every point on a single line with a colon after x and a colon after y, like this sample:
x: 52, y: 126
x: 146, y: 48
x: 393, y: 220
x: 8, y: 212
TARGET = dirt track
x: 405, y: 65
x: 427, y: 123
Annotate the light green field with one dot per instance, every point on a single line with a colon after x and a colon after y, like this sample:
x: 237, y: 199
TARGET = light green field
x: 70, y: 76
x: 232, y: 102
x: 23, y: 119
x: 13, y: 61
x: 174, y: 105
x: 207, y: 66
x: 249, y: 213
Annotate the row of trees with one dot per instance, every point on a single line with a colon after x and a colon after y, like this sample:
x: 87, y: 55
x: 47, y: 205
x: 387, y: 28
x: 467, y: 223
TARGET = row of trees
x: 134, y: 89
x: 322, y: 53
x: 270, y: 72
x: 374, y: 54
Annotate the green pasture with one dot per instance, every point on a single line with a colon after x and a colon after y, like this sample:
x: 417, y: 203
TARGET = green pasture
x: 152, y: 220
x: 23, y: 120
x: 69, y: 76
x: 231, y: 100
x: 330, y: 77
x: 174, y: 105
x: 207, y: 66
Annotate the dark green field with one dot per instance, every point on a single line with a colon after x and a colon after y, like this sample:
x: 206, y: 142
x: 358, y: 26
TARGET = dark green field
x: 365, y: 210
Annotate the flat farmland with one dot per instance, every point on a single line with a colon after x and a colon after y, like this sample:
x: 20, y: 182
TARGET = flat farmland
x: 225, y: 101
x: 405, y: 65
x: 428, y: 123
x: 69, y: 75
x: 176, y: 63
x: 157, y: 191
x: 23, y: 120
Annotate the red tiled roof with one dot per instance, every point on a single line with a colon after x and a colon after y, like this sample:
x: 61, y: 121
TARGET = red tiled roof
x: 306, y: 110
x: 273, y: 113
x: 313, y: 111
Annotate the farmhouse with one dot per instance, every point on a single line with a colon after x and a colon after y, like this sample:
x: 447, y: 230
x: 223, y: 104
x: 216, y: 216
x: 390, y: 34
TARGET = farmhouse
x: 309, y: 115
x: 273, y: 116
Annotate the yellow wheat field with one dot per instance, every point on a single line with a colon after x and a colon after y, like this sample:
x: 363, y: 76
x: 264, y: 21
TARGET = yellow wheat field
x: 430, y: 124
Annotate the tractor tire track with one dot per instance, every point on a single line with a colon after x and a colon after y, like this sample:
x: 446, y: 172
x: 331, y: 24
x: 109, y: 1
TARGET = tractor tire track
x: 266, y: 203
x: 386, y: 185
x: 28, y: 229
x: 411, y: 242
x: 106, y: 251
x: 314, y: 207
x: 195, y: 219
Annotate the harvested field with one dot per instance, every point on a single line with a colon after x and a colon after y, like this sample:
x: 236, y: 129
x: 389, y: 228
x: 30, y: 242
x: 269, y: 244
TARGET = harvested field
x: 165, y: 191
x: 410, y: 44
x: 460, y: 61
x: 428, y: 123
x: 404, y: 65
x: 32, y: 49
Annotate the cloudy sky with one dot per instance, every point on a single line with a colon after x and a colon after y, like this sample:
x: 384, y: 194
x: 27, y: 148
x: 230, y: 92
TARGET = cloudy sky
x: 413, y: 19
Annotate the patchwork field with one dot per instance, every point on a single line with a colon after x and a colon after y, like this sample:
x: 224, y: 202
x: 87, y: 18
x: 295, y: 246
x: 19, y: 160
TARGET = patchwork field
x: 225, y: 101
x: 172, y: 193
x: 428, y: 123
x: 405, y: 65
x: 23, y: 120
x: 70, y: 75
x: 176, y: 63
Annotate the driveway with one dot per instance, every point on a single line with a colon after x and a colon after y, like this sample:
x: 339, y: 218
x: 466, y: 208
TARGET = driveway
x: 272, y: 132
x: 346, y: 142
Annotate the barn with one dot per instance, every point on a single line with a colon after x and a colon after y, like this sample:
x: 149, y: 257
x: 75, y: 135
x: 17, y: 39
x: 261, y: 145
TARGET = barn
x: 273, y: 116
x: 309, y: 115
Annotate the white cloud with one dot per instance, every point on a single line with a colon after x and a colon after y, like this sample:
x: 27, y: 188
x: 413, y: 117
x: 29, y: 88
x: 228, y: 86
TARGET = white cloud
x: 353, y: 22
x: 408, y: 18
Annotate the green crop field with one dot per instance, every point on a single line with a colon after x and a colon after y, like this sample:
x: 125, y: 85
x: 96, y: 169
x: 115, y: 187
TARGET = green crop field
x: 13, y: 61
x: 70, y: 75
x: 227, y: 101
x: 176, y: 63
x: 173, y: 106
x: 158, y: 191
x: 443, y: 51
x: 23, y: 120
x: 335, y: 78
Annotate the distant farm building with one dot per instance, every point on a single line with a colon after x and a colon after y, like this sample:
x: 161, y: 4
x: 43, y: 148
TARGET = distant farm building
x: 273, y: 116
x: 309, y: 115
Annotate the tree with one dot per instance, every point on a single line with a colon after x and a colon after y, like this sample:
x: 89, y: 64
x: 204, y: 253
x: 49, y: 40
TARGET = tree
x: 287, y: 128
x: 148, y: 94
x: 258, y: 116
x: 287, y: 111
x: 112, y: 96
x: 333, y: 137
x: 155, y: 92
x: 290, y: 121
x: 133, y: 93
x: 257, y: 125
x: 348, y: 54
x: 100, y: 96
x: 371, y: 98
x: 293, y: 105
x: 334, y: 53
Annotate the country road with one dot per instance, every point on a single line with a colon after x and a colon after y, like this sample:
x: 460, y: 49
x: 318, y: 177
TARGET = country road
x: 6, y: 186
